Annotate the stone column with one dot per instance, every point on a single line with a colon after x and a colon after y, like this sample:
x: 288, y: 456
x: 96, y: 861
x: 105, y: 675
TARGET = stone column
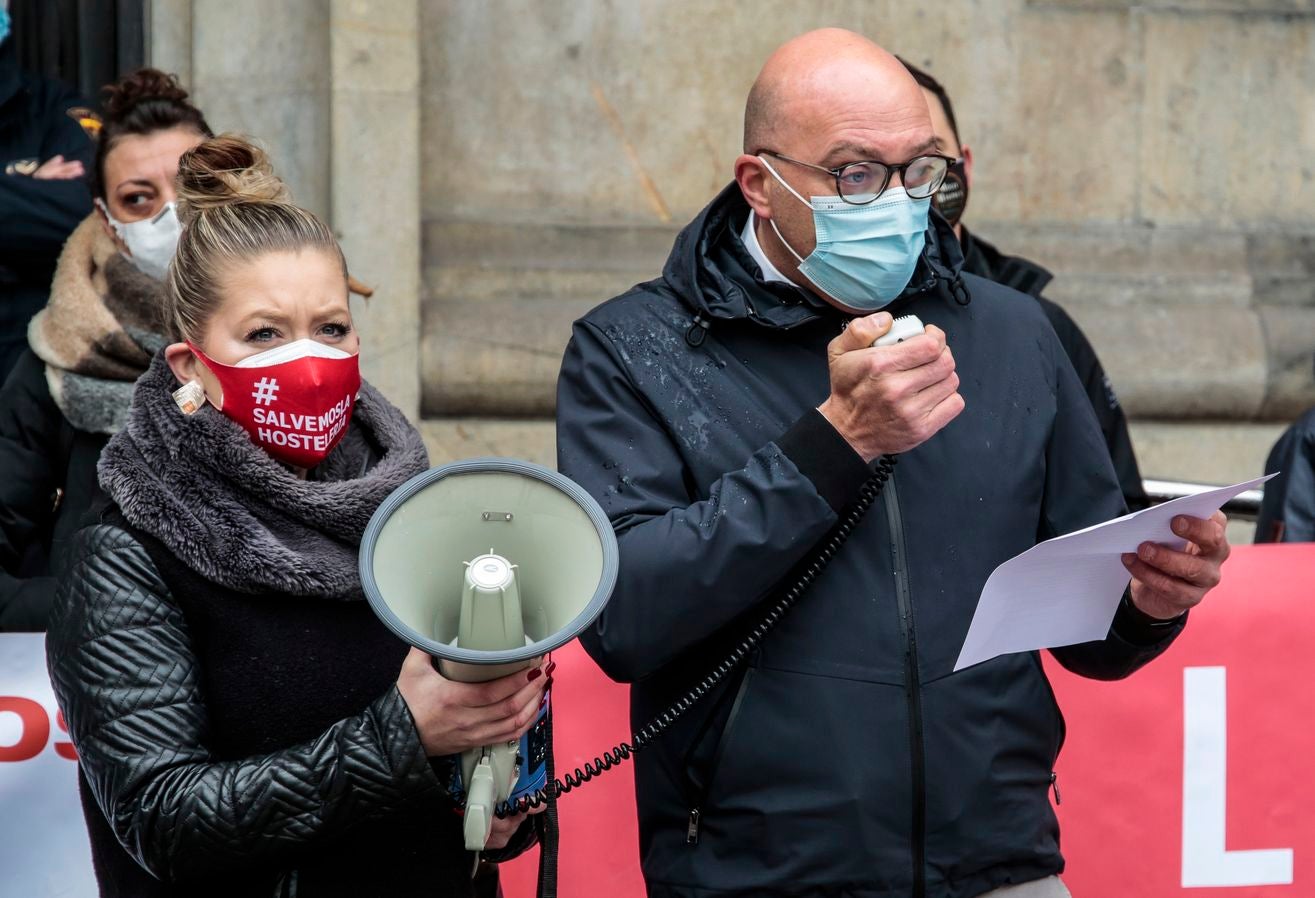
x: 375, y: 182
x: 262, y: 69
x: 169, y: 38
x: 331, y: 89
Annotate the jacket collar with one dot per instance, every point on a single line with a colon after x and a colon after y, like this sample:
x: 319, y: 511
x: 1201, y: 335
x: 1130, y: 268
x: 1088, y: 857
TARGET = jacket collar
x: 984, y: 260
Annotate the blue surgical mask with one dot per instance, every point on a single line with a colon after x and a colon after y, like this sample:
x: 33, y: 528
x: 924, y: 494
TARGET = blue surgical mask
x: 865, y: 255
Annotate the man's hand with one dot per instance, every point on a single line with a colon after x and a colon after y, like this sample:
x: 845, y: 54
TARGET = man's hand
x: 892, y: 398
x: 57, y: 169
x: 1165, y: 582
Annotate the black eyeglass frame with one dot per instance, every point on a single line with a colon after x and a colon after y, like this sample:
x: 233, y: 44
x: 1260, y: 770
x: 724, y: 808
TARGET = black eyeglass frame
x: 901, y: 167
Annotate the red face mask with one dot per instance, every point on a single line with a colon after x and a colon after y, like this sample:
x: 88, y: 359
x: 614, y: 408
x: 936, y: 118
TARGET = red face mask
x: 295, y: 401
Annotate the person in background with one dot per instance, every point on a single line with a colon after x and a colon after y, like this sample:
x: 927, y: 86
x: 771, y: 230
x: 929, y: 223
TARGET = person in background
x: 71, y: 388
x: 236, y: 706
x: 1287, y: 512
x: 984, y: 260
x: 47, y: 138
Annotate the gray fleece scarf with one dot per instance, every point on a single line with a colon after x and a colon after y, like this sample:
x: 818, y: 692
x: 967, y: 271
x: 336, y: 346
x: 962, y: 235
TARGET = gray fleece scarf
x: 237, y: 517
x: 98, y: 332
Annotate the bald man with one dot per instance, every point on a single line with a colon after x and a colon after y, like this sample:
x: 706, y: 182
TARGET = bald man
x: 727, y: 416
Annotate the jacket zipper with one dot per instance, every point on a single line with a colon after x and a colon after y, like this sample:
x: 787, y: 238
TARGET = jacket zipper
x: 692, y: 829
x: 692, y: 824
x: 912, y: 689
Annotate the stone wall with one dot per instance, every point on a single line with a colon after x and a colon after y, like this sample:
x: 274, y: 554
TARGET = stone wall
x: 1155, y: 155
x: 497, y: 167
x: 331, y: 89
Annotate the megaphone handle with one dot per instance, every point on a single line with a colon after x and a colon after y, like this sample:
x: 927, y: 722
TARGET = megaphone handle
x: 809, y: 570
x: 481, y: 801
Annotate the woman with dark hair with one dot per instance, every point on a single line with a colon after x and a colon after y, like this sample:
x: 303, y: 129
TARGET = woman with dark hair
x: 70, y: 390
x: 237, y: 708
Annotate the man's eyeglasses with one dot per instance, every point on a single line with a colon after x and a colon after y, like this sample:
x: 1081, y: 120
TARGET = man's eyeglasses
x: 859, y: 183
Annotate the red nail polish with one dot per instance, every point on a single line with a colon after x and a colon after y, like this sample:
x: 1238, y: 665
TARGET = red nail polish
x: 552, y: 665
x: 533, y: 675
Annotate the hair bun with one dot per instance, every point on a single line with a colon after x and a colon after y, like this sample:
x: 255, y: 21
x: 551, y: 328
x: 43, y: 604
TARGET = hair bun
x: 140, y: 87
x: 226, y: 170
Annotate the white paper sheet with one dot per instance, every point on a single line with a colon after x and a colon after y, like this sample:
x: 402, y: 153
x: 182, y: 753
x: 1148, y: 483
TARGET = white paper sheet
x: 1065, y: 590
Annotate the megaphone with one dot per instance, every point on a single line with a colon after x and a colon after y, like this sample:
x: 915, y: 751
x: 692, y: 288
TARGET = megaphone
x: 488, y: 564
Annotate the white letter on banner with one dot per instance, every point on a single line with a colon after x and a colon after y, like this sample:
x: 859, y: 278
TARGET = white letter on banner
x: 1206, y: 860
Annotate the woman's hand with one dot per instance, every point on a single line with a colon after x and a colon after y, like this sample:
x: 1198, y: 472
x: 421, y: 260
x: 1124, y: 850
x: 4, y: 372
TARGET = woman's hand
x: 452, y: 717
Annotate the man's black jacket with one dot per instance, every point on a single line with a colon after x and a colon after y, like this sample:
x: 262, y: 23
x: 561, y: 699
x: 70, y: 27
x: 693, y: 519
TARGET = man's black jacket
x: 984, y: 260
x: 39, y: 118
x: 846, y: 759
x: 1287, y: 513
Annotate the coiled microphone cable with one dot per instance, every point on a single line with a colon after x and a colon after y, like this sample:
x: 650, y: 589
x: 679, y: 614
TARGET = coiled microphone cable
x: 809, y: 570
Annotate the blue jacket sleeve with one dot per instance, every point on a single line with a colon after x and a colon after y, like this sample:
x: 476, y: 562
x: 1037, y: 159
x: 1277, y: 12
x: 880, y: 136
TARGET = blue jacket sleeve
x: 1287, y: 513
x: 65, y: 136
x: 692, y: 561
x: 36, y: 216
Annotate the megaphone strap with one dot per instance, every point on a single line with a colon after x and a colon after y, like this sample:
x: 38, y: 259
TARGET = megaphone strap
x: 546, y: 824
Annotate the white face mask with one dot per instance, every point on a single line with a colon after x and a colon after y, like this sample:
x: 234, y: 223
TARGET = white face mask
x: 151, y: 242
x: 290, y: 352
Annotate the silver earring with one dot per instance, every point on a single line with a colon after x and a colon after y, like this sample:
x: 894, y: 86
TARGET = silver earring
x: 190, y: 397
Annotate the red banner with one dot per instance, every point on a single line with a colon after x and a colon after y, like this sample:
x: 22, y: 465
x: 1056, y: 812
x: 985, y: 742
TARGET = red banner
x: 1187, y: 779
x: 599, y: 846
x: 1191, y: 777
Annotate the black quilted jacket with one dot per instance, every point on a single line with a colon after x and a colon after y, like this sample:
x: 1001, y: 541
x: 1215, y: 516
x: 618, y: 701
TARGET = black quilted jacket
x: 165, y: 740
x: 238, y: 740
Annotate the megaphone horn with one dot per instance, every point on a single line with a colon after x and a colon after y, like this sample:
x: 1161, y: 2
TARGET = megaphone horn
x: 487, y: 565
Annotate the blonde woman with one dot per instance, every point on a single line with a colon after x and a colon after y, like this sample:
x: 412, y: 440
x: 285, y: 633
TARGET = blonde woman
x: 237, y: 709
